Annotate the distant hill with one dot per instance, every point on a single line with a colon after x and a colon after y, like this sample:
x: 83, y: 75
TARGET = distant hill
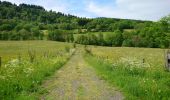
x: 34, y: 13
x: 32, y: 22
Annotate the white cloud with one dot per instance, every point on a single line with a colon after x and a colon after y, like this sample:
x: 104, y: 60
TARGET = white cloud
x: 99, y: 10
x: 57, y: 5
x: 132, y: 9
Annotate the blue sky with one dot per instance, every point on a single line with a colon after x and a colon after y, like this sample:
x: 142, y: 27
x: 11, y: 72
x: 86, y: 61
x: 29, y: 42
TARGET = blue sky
x: 128, y: 9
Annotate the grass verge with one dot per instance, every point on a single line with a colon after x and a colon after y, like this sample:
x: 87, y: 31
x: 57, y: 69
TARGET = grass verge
x: 135, y: 83
x: 19, y: 77
x: 25, y: 64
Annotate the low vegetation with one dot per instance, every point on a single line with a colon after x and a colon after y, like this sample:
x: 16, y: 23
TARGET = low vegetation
x: 135, y: 77
x: 26, y: 64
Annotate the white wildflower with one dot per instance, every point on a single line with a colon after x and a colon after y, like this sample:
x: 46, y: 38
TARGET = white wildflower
x: 133, y: 62
x: 13, y: 63
x: 28, y: 70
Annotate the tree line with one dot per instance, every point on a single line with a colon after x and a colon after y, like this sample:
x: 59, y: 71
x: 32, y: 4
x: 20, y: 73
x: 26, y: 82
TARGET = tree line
x: 28, y: 22
x: 57, y: 20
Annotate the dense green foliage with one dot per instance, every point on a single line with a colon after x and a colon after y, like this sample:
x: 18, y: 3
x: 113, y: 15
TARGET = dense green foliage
x: 27, y: 22
x: 103, y: 39
x: 59, y: 35
x: 12, y: 30
x: 153, y: 35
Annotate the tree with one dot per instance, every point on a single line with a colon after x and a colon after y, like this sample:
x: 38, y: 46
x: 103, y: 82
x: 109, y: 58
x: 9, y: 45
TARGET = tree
x: 19, y: 27
x: 165, y: 22
x: 4, y: 35
x: 100, y: 38
x: 24, y: 35
x: 118, y: 38
x: 6, y: 27
x: 36, y: 33
x: 109, y: 38
x: 28, y: 27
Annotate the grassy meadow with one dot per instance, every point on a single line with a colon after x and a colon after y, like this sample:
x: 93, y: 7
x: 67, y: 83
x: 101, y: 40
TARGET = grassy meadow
x: 138, y: 72
x: 154, y: 57
x: 12, y: 49
x: 25, y: 64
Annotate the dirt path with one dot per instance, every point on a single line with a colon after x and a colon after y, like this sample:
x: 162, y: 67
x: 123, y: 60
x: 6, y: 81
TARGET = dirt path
x: 78, y: 81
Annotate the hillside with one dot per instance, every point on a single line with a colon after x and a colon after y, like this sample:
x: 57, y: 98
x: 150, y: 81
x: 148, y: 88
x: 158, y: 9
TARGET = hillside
x: 34, y: 13
x: 28, y: 22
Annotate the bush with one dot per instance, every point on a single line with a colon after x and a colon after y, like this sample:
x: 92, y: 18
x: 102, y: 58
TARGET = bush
x: 25, y: 35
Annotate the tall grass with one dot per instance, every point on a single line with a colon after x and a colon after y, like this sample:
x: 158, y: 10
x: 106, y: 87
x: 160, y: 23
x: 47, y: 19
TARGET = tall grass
x: 17, y: 76
x: 155, y: 57
x: 137, y: 80
x: 24, y: 73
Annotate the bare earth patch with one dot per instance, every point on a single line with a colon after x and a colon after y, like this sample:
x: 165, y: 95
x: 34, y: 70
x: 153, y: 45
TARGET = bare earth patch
x: 78, y: 81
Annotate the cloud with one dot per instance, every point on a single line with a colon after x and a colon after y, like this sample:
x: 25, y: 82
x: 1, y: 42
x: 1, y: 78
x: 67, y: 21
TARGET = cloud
x: 56, y: 5
x: 132, y: 9
x: 99, y: 10
x: 129, y: 9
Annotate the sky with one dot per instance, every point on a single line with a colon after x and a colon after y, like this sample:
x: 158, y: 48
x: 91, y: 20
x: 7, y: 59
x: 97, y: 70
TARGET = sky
x: 126, y: 9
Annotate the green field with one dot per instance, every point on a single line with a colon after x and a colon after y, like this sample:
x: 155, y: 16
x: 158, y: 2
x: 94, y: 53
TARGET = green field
x: 138, y: 72
x: 154, y: 57
x: 26, y: 63
x: 12, y: 49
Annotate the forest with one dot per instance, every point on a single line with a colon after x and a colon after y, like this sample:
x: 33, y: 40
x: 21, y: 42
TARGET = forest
x: 31, y: 22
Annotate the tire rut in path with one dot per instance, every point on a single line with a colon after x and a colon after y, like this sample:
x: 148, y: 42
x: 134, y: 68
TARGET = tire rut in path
x: 78, y: 81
